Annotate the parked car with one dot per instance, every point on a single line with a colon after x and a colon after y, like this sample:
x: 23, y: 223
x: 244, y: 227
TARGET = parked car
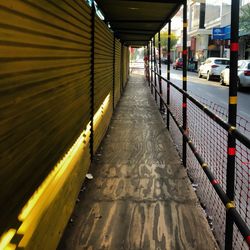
x: 164, y: 60
x: 178, y: 63
x: 243, y: 74
x: 212, y: 67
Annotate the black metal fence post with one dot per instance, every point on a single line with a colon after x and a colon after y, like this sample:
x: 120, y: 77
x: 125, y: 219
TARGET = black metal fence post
x: 113, y: 73
x: 168, y: 71
x: 148, y: 71
x: 145, y: 49
x: 92, y: 88
x: 151, y: 65
x: 232, y: 116
x: 155, y: 69
x: 184, y: 83
x: 121, y: 70
x: 159, y: 78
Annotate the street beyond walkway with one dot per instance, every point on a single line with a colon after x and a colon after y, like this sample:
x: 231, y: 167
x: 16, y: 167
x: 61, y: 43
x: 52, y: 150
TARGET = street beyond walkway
x: 140, y: 197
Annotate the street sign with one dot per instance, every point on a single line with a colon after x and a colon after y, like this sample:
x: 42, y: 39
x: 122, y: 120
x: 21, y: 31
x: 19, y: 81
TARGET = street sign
x: 222, y: 33
x: 218, y: 33
x: 227, y: 32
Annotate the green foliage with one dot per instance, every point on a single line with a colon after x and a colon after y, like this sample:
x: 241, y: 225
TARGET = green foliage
x: 245, y: 19
x: 164, y: 40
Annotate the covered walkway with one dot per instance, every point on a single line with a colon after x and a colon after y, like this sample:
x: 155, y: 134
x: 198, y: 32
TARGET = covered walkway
x: 140, y: 197
x: 64, y: 73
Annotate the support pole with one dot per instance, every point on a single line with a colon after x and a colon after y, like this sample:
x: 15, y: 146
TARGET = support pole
x: 168, y: 71
x: 155, y: 70
x: 92, y: 88
x: 124, y: 63
x: 148, y: 71
x: 159, y: 78
x: 121, y: 71
x: 184, y: 83
x: 113, y: 73
x: 151, y: 65
x: 232, y: 117
x: 145, y: 61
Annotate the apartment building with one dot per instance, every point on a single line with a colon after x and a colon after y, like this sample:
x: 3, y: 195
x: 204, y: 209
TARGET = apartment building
x: 218, y: 21
x: 209, y: 29
x: 197, y: 34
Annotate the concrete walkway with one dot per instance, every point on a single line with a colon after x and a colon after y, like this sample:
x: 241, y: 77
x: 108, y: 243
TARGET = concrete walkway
x: 140, y: 197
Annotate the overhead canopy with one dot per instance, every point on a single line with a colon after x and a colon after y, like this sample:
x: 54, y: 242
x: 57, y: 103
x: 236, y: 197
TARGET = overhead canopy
x: 135, y: 22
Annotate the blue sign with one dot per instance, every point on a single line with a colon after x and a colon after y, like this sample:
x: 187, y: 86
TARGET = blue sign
x: 227, y: 32
x: 218, y: 33
x: 222, y: 33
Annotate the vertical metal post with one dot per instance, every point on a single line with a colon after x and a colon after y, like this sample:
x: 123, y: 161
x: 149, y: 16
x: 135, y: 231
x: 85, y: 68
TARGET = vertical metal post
x: 121, y: 70
x: 232, y: 116
x: 184, y: 83
x: 113, y: 73
x: 148, y: 65
x: 168, y: 71
x: 145, y: 49
x: 92, y: 88
x: 151, y: 65
x: 155, y: 69
x: 122, y: 67
x: 159, y: 78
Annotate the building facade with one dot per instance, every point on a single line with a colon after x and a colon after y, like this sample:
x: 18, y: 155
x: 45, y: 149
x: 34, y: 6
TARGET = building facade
x: 197, y: 34
x: 218, y: 16
x: 208, y: 16
x: 244, y: 41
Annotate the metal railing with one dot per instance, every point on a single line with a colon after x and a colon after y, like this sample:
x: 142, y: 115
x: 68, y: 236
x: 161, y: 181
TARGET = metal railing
x: 218, y: 184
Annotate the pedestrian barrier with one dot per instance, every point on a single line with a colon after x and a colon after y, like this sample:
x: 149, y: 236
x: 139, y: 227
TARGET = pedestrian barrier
x: 58, y: 54
x: 206, y: 135
x: 242, y: 185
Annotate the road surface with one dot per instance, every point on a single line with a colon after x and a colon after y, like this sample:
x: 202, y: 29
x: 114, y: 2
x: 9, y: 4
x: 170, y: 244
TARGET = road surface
x: 211, y: 90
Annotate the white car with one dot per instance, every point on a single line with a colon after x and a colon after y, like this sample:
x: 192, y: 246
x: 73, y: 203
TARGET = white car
x: 212, y: 67
x: 243, y: 74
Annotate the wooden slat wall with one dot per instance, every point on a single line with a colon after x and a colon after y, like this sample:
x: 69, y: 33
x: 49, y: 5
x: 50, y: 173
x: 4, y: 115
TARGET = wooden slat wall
x: 53, y: 218
x: 103, y: 80
x: 45, y: 53
x: 117, y: 70
x: 44, y: 91
x: 101, y: 126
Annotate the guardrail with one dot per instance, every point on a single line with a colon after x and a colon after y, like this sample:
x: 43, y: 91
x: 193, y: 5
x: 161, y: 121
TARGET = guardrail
x: 218, y: 185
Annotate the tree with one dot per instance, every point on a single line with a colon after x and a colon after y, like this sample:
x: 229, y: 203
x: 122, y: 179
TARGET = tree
x: 164, y: 41
x: 245, y: 19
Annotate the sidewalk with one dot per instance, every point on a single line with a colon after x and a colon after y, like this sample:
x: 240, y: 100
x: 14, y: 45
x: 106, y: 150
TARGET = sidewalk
x: 140, y: 197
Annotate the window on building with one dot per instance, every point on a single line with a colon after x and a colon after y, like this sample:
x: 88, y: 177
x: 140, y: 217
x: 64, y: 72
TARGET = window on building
x: 195, y: 15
